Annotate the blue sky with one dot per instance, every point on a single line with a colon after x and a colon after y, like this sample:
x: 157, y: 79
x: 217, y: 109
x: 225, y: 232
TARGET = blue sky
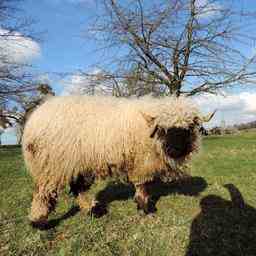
x: 59, y: 25
x: 62, y: 23
x: 62, y: 48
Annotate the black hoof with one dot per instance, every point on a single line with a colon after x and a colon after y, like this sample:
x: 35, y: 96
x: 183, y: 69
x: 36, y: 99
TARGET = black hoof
x: 98, y: 210
x: 146, y: 208
x: 151, y: 207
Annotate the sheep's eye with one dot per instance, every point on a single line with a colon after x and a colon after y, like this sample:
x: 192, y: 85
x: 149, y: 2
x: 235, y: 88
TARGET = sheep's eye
x: 191, y: 126
x: 196, y: 121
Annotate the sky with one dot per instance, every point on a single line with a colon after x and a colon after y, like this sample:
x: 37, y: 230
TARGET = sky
x: 63, y: 48
x: 61, y: 25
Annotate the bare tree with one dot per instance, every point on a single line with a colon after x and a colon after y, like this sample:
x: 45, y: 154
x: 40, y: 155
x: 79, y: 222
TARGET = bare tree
x: 16, y: 83
x: 27, y: 104
x: 185, y: 46
x: 103, y: 82
x: 14, y: 32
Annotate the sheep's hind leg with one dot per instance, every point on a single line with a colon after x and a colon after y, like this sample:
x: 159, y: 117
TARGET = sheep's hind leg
x: 142, y: 198
x: 88, y: 203
x: 79, y: 188
x: 44, y: 201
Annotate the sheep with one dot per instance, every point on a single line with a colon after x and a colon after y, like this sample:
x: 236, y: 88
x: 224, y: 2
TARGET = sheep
x: 75, y: 140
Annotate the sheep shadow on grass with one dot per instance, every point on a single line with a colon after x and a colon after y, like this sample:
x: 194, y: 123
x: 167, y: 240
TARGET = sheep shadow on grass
x: 190, y: 186
x: 53, y: 223
x: 224, y: 227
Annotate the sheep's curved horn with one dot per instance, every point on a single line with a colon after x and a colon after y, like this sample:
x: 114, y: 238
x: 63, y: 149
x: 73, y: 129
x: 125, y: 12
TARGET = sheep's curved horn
x: 208, y: 117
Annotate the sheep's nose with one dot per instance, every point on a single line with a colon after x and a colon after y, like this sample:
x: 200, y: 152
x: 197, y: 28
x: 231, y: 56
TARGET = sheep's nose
x: 177, y: 142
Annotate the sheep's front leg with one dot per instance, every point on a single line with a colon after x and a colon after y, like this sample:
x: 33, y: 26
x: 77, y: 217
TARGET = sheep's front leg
x: 142, y: 198
x: 44, y: 201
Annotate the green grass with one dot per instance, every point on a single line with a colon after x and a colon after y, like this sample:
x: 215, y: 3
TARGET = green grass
x: 192, y: 218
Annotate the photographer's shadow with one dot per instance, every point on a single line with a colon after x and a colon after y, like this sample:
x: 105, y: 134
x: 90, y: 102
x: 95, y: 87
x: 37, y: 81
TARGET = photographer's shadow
x: 224, y: 227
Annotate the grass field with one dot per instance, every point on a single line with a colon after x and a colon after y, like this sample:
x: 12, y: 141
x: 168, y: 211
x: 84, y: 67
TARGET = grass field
x: 214, y: 213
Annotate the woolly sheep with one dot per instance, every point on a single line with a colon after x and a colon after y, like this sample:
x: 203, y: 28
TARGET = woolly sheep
x: 77, y: 139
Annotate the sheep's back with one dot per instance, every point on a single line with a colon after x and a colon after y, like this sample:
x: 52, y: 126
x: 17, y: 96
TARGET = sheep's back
x: 72, y: 133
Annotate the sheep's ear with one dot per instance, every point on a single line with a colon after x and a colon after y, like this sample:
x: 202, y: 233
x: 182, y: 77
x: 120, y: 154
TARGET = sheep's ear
x: 149, y: 119
x: 153, y: 131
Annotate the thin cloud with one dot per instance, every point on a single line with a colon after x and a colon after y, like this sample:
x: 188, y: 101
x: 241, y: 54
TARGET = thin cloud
x: 232, y: 109
x: 205, y: 8
x: 79, y: 84
x: 17, y: 48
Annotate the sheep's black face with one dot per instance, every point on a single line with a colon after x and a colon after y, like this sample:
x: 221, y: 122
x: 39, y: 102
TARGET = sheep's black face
x: 176, y: 142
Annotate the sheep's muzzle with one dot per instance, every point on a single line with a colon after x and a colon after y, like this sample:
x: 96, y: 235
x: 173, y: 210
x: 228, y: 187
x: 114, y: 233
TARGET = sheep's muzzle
x: 177, y: 142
